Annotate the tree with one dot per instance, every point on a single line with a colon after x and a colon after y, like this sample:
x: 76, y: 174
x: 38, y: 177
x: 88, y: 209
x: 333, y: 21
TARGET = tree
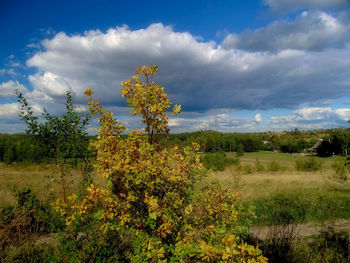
x: 151, y: 208
x: 240, y: 150
x: 61, y: 138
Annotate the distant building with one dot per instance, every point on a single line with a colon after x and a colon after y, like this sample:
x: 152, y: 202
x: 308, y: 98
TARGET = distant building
x: 314, y: 149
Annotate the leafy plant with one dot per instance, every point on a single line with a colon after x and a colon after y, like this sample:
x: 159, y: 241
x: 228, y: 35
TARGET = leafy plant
x: 151, y: 207
x: 216, y: 161
x: 62, y: 138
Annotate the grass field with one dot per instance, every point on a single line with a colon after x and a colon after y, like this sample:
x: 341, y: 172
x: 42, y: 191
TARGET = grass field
x: 308, y: 196
x: 42, y: 179
x: 304, y: 196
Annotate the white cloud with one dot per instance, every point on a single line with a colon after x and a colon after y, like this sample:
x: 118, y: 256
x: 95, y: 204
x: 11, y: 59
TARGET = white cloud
x: 209, y: 80
x: 199, y: 75
x: 314, y: 31
x: 343, y: 114
x: 286, y: 5
x: 8, y: 89
x: 312, y: 118
x: 50, y: 84
x: 220, y: 122
x: 258, y: 118
x: 9, y: 111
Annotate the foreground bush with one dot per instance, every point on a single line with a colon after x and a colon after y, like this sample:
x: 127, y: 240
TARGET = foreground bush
x: 150, y: 212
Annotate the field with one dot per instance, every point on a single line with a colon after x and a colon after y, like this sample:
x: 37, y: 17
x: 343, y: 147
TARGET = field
x: 315, y: 196
x: 311, y: 196
x: 287, y: 202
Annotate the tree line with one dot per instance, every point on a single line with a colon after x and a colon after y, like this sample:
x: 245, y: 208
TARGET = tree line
x: 22, y: 147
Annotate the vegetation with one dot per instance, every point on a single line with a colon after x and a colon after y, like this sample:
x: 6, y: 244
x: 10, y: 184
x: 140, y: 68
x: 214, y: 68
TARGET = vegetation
x: 308, y: 164
x: 217, y: 161
x: 152, y: 201
x: 147, y: 209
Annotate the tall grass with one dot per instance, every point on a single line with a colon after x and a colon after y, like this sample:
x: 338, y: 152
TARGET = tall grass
x: 308, y: 164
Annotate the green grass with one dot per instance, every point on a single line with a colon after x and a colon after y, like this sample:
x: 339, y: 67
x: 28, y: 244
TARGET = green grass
x: 289, y: 194
x: 313, y: 194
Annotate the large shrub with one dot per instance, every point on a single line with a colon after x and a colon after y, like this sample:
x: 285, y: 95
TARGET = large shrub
x: 151, y: 209
x: 217, y: 161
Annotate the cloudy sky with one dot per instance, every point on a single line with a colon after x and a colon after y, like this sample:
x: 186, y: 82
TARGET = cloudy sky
x: 233, y: 65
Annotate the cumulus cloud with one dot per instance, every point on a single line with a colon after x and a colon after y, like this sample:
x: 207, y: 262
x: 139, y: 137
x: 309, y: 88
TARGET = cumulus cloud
x: 312, y: 31
x: 286, y: 5
x: 199, y: 75
x: 210, y: 80
x: 221, y: 122
x: 258, y: 118
x: 312, y: 118
x: 8, y: 89
x: 9, y: 111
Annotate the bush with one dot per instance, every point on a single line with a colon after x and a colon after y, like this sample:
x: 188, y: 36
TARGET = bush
x: 329, y: 246
x: 248, y: 168
x: 240, y: 150
x: 308, y: 164
x: 274, y: 166
x: 217, y: 161
x: 150, y: 208
x: 341, y: 169
x: 259, y: 166
x: 29, y: 219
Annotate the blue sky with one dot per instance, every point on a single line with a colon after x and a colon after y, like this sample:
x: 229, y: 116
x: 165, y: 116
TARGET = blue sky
x: 233, y: 65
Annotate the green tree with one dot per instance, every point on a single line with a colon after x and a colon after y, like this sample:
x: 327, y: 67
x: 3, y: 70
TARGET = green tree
x: 240, y: 150
x: 62, y: 138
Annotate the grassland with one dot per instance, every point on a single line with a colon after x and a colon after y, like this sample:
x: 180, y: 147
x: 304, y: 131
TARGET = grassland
x: 306, y: 196
x: 42, y: 179
x: 301, y: 196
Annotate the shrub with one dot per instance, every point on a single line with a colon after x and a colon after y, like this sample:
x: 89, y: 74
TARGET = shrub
x: 274, y: 166
x: 248, y: 168
x: 259, y: 166
x: 240, y: 150
x: 308, y: 164
x: 150, y: 208
x: 30, y: 218
x: 329, y: 246
x: 283, y: 213
x: 217, y: 161
x: 340, y: 168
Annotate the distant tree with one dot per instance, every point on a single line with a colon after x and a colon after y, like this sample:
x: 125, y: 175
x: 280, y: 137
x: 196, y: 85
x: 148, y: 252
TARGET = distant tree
x: 337, y: 143
x: 240, y: 150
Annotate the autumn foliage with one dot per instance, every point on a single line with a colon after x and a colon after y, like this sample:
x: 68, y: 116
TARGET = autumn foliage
x: 153, y: 206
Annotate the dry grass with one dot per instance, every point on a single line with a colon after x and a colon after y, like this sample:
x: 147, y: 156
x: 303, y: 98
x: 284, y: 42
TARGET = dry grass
x: 261, y: 184
x: 266, y: 183
x: 42, y: 179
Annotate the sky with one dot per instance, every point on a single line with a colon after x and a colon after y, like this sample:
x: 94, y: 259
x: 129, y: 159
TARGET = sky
x: 234, y: 66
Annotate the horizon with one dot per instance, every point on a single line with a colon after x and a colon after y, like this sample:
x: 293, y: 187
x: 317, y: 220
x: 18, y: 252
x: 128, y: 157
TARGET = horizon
x: 243, y: 66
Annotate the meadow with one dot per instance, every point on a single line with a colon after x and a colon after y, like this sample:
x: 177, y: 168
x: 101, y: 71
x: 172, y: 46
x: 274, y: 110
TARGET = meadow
x: 314, y: 196
x: 268, y: 182
x: 311, y: 196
